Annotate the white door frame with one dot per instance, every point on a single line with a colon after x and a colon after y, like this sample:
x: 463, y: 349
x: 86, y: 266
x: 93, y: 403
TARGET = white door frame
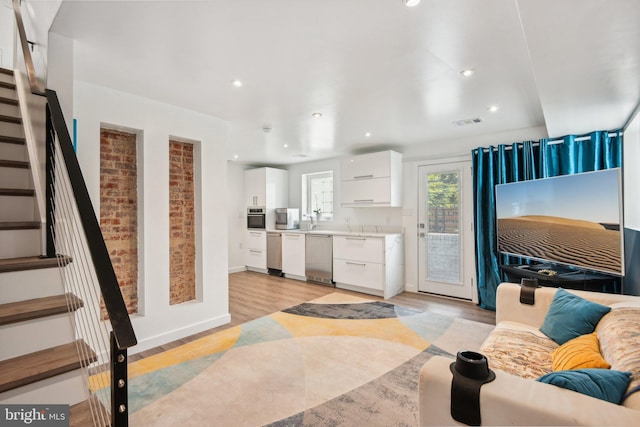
x: 467, y: 290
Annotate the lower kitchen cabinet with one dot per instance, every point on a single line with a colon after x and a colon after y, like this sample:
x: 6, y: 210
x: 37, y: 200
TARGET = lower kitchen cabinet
x: 293, y: 255
x: 372, y: 265
x: 256, y: 250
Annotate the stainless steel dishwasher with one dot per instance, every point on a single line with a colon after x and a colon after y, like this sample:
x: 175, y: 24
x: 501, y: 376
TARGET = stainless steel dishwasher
x: 319, y: 258
x: 274, y: 253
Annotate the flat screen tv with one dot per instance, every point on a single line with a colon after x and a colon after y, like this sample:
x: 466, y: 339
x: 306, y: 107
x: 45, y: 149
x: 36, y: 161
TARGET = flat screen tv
x: 573, y: 220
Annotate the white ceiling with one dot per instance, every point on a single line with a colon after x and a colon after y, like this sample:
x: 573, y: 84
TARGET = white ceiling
x: 374, y: 66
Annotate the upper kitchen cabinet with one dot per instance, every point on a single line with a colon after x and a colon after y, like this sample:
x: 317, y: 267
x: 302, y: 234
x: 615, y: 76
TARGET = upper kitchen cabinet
x: 371, y: 180
x: 267, y: 187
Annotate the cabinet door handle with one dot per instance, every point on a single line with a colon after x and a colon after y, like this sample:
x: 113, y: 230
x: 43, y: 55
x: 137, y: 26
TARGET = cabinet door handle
x: 293, y: 236
x: 253, y: 233
x: 356, y: 263
x: 363, y: 201
x: 362, y: 176
x: 255, y: 251
x: 356, y: 238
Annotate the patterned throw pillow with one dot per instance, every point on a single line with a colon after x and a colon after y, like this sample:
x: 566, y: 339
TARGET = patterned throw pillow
x: 619, y: 334
x: 578, y: 353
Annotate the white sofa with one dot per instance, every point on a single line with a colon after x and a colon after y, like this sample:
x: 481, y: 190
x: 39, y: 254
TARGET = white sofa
x: 514, y: 397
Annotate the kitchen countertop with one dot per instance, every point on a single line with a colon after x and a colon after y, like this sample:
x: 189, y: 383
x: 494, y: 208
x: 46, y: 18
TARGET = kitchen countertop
x: 340, y: 233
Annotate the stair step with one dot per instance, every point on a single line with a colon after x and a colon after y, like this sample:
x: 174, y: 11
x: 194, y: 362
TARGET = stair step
x: 31, y: 263
x: 6, y: 71
x: 7, y: 85
x: 8, y: 101
x: 14, y: 164
x: 40, y: 307
x: 16, y: 225
x: 12, y: 140
x: 32, y: 367
x: 21, y: 192
x: 80, y: 414
x: 11, y: 119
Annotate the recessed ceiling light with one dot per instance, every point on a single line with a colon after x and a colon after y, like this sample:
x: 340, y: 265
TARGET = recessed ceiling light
x: 411, y: 3
x: 367, y: 134
x: 317, y: 115
x: 235, y: 156
x: 493, y: 108
x: 236, y: 83
x: 286, y: 145
x: 468, y: 72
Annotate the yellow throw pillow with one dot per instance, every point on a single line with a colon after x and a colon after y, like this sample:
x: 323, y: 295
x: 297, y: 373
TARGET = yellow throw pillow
x: 579, y: 353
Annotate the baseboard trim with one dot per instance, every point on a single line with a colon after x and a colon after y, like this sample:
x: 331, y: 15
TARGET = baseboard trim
x: 410, y: 288
x: 237, y: 269
x: 176, y: 334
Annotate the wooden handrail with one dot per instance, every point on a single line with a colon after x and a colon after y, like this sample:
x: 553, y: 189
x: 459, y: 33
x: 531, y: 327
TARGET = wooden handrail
x: 36, y: 86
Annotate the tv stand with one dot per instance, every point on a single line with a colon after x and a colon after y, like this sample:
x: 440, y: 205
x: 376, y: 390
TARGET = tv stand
x: 564, y: 277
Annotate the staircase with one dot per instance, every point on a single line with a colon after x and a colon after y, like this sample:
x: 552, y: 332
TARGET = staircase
x: 39, y: 355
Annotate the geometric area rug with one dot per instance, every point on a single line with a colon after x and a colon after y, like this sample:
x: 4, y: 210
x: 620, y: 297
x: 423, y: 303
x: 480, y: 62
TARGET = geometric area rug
x: 338, y: 360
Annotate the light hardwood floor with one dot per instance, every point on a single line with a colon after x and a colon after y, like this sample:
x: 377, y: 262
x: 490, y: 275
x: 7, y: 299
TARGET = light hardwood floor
x: 253, y: 295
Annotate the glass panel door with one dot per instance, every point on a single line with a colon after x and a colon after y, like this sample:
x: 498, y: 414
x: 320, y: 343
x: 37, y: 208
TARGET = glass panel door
x: 444, y: 239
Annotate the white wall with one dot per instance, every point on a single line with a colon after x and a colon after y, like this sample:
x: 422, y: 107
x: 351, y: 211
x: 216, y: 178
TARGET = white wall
x: 632, y: 174
x: 156, y: 123
x: 60, y: 74
x: 7, y: 30
x: 237, y: 216
x: 38, y: 17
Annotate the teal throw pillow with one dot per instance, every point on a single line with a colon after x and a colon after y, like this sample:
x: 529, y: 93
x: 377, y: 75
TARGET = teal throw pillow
x: 570, y: 316
x: 602, y: 384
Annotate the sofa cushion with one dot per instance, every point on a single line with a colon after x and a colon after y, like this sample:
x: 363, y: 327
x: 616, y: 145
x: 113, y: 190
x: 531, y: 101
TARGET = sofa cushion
x: 619, y: 334
x: 519, y: 350
x: 602, y: 384
x: 570, y: 316
x: 579, y: 353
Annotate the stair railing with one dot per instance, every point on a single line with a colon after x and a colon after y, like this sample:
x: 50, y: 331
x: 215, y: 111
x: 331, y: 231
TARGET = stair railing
x: 73, y: 233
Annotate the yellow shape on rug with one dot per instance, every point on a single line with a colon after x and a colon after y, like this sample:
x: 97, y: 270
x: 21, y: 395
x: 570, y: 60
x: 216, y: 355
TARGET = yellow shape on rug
x: 390, y: 329
x: 211, y: 344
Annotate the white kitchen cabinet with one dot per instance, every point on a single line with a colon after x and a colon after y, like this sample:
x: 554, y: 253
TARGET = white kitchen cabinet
x: 293, y: 255
x: 267, y: 187
x: 256, y: 250
x: 368, y: 264
x: 371, y: 180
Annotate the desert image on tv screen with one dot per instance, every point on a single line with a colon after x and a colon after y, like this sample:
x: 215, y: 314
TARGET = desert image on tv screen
x: 572, y: 220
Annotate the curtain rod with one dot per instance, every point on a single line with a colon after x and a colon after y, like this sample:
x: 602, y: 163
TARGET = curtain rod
x: 558, y: 141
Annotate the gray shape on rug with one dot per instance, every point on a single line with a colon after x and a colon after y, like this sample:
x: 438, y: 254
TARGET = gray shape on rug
x: 389, y: 400
x: 365, y: 310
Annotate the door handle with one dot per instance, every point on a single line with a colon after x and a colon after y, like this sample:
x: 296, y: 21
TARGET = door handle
x: 356, y: 263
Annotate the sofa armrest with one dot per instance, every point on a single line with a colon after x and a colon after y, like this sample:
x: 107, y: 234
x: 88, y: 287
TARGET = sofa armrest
x: 511, y: 400
x: 509, y: 307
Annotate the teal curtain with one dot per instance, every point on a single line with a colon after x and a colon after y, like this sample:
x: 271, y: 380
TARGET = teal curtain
x: 519, y: 162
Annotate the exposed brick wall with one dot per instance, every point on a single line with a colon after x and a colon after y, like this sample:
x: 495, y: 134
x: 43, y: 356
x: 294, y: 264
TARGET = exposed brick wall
x: 182, y: 223
x: 119, y: 209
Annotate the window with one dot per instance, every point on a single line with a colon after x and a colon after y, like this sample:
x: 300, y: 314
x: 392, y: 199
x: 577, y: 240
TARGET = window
x: 317, y: 195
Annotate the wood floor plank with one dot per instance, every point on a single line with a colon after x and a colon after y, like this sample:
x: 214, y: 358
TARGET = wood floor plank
x: 253, y: 295
x: 36, y: 366
x: 89, y: 412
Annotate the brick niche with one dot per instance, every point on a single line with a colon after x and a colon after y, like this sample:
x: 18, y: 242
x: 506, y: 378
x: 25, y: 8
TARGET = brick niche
x: 182, y: 223
x: 119, y: 209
